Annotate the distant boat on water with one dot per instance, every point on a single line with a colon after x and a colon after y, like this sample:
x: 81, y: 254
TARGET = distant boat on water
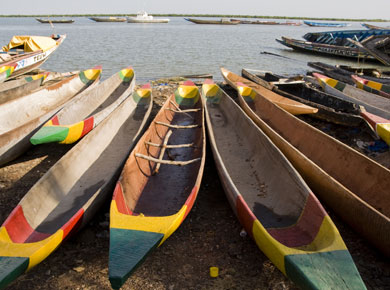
x: 224, y: 21
x: 325, y: 24
x: 48, y: 20
x: 370, y: 26
x: 143, y: 17
x: 108, y: 19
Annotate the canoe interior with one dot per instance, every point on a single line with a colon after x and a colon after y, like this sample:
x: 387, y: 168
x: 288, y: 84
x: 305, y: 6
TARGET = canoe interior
x: 60, y: 194
x: 165, y: 192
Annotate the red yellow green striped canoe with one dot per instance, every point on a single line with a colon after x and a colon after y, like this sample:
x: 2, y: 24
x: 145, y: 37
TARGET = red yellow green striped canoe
x: 86, y: 110
x: 271, y: 200
x: 159, y: 183
x: 6, y: 71
x: 372, y: 86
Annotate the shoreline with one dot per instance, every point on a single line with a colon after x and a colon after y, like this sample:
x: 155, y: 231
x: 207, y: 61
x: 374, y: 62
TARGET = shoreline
x: 202, y: 15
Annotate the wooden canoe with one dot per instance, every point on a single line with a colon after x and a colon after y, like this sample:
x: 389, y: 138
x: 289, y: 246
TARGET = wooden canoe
x: 272, y: 201
x: 29, y: 85
x: 291, y: 106
x: 86, y: 110
x: 330, y: 108
x: 21, y: 117
x: 377, y: 106
x: 68, y: 195
x: 6, y: 71
x: 370, y: 26
x: 372, y: 86
x: 28, y: 60
x: 108, y: 19
x: 59, y: 21
x: 354, y: 186
x: 222, y: 21
x: 154, y: 193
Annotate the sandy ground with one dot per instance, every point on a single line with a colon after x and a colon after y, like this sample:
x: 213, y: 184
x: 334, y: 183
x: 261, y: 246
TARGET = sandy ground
x: 210, y: 236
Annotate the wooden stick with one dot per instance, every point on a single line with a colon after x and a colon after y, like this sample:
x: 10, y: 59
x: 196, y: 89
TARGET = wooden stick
x: 170, y: 146
x: 177, y: 126
x: 182, y: 111
x: 169, y: 162
x: 164, y: 147
x: 177, y: 108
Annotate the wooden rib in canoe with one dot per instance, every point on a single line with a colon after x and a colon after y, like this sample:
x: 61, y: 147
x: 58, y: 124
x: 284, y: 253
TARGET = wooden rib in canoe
x: 376, y: 105
x: 354, y: 186
x: 78, y: 117
x: 272, y: 201
x: 330, y: 108
x: 153, y: 196
x: 20, y: 118
x: 291, y: 106
x: 372, y: 86
x: 68, y: 195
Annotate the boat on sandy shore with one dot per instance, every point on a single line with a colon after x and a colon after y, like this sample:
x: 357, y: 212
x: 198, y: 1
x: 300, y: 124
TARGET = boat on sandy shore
x: 143, y: 17
x: 159, y: 182
x: 281, y: 214
x: 69, y: 194
x: 89, y: 108
x: 28, y: 52
x: 20, y: 118
x: 108, y: 19
x: 57, y: 21
x: 289, y: 105
x: 357, y: 191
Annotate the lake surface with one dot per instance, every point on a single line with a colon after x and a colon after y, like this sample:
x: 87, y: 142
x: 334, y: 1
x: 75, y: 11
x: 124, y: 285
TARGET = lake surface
x: 173, y: 49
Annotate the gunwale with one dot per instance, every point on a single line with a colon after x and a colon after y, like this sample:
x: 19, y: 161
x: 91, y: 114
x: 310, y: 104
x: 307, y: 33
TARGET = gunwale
x: 372, y: 86
x: 358, y: 203
x: 62, y: 201
x: 224, y: 116
x: 292, y: 106
x: 90, y: 107
x: 150, y: 202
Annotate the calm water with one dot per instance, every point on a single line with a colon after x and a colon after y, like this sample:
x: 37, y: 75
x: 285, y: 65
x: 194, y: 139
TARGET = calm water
x: 173, y: 49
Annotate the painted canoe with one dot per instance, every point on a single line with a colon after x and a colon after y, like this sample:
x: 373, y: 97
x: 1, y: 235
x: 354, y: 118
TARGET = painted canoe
x: 29, y: 84
x: 6, y: 70
x: 36, y: 50
x: 159, y: 182
x: 281, y: 214
x: 222, y: 21
x: 370, y: 26
x: 377, y: 106
x: 340, y: 37
x: 58, y: 21
x: 325, y: 49
x: 108, y: 19
x: 291, y: 106
x: 326, y: 24
x: 372, y: 86
x: 20, y: 118
x: 86, y: 110
x: 354, y: 186
x: 330, y: 108
x: 69, y: 194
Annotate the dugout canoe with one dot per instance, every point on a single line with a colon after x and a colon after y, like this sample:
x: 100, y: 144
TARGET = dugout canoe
x: 29, y: 52
x: 291, y: 106
x: 69, y: 194
x: 354, y: 186
x: 108, y: 19
x: 372, y: 86
x: 86, y: 110
x: 378, y: 107
x: 281, y: 214
x: 222, y: 21
x: 159, y: 182
x: 326, y: 24
x: 57, y: 21
x: 20, y: 118
x: 330, y: 108
x: 6, y: 70
x: 370, y: 26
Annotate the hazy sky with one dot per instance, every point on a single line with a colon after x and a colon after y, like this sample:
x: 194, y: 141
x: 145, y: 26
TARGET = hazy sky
x: 328, y: 8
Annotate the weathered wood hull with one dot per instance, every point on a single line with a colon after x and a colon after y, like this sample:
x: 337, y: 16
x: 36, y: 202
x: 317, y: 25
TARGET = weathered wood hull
x: 291, y: 106
x: 354, y: 186
x: 330, y: 108
x: 68, y: 195
x: 151, y: 199
x: 20, y: 118
x: 78, y: 117
x: 372, y: 86
x: 289, y: 233
x: 6, y: 70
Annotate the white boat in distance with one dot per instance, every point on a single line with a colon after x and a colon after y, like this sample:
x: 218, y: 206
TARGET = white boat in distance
x: 143, y: 17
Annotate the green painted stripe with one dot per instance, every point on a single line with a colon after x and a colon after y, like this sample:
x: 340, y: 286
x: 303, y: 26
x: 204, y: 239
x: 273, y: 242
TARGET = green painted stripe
x: 11, y: 268
x: 326, y: 270
x: 141, y: 100
x: 124, y: 78
x: 49, y: 134
x: 340, y: 86
x: 128, y: 249
x: 186, y: 101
